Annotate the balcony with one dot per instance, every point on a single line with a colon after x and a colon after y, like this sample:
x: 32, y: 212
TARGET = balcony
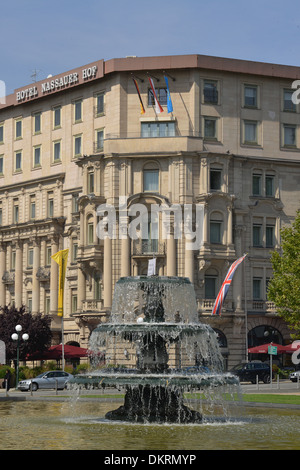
x: 134, y: 143
x: 148, y: 248
x: 92, y: 305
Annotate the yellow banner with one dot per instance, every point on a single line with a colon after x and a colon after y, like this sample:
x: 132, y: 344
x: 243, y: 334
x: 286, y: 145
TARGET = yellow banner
x: 61, y: 258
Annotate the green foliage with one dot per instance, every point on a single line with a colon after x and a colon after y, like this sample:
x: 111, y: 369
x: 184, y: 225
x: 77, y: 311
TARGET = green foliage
x: 284, y: 288
x: 3, y: 369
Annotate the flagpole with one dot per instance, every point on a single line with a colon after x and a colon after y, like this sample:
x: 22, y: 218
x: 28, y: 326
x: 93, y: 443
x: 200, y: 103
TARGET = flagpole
x: 62, y: 344
x: 246, y: 312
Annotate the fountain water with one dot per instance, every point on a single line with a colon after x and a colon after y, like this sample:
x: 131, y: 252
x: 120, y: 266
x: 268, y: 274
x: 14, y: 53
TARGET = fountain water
x: 156, y: 319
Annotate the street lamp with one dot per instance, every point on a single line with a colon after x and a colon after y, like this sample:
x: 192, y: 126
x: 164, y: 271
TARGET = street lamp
x: 16, y: 337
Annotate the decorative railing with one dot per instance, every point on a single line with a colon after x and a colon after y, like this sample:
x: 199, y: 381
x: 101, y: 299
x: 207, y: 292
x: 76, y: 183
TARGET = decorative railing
x: 148, y: 247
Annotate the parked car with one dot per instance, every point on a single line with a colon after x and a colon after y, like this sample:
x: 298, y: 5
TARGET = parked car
x: 294, y: 376
x: 249, y: 371
x: 52, y: 379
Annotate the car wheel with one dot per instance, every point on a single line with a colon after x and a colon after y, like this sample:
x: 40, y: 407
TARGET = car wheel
x: 34, y: 386
x: 266, y: 379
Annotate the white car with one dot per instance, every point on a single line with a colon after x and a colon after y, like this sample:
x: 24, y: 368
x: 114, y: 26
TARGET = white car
x: 56, y: 379
x: 294, y: 376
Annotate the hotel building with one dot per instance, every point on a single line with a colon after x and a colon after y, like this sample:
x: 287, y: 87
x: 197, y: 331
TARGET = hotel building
x: 73, y: 142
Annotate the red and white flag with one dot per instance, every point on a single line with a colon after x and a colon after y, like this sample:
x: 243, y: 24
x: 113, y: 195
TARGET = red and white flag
x: 158, y: 108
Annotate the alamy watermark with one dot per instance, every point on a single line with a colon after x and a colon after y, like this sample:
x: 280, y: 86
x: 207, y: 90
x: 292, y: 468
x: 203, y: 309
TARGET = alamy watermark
x: 2, y: 92
x: 296, y: 94
x: 134, y: 222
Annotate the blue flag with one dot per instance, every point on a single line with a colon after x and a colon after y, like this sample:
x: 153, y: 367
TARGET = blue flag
x: 169, y: 101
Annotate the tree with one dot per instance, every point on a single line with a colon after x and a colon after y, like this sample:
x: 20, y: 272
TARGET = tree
x: 284, y: 288
x: 37, y: 326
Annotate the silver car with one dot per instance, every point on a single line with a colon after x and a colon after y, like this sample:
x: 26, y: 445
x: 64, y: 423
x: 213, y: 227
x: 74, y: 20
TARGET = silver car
x: 295, y: 376
x: 56, y: 379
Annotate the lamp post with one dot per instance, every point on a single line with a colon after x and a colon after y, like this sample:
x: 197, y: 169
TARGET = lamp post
x: 16, y: 337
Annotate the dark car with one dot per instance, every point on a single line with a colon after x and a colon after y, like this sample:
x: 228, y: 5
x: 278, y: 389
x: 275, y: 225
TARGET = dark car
x: 250, y: 371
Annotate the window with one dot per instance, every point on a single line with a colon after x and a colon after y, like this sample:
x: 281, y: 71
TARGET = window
x: 250, y: 132
x: 19, y: 129
x: 270, y: 236
x: 151, y: 182
x: 288, y: 104
x: 90, y: 232
x: 30, y: 258
x: 210, y: 92
x: 74, y: 303
x: 161, y: 94
x: 100, y: 104
x: 210, y: 128
x: 50, y: 205
x: 158, y: 129
x: 16, y: 212
x: 215, y: 179
x: 256, y: 184
x: 257, y: 235
x: 215, y: 231
x: 37, y: 123
x: 37, y: 156
x: 74, y: 251
x: 210, y: 287
x: 77, y: 145
x: 13, y: 260
x: 1, y: 165
x: 289, y: 135
x: 250, y: 96
x: 90, y: 181
x: 270, y: 190
x: 29, y: 301
x: 32, y: 207
x: 75, y: 207
x: 1, y: 213
x: 18, y: 161
x: 78, y: 111
x: 57, y: 151
x: 48, y: 255
x: 57, y: 117
x: 99, y: 140
x: 47, y: 303
x: 1, y: 133
x: 257, y: 288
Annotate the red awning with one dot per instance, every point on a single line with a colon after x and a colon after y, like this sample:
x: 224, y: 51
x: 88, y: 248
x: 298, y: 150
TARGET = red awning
x: 55, y: 352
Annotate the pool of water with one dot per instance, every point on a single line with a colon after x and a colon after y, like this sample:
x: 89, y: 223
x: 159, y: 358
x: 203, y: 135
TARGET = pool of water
x: 43, y: 425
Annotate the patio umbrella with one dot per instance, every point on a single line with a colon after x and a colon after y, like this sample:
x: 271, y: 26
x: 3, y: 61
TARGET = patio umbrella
x: 263, y: 348
x: 291, y: 348
x: 55, y: 352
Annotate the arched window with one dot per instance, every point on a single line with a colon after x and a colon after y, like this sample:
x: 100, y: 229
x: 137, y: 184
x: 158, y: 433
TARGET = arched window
x: 264, y: 334
x: 90, y: 230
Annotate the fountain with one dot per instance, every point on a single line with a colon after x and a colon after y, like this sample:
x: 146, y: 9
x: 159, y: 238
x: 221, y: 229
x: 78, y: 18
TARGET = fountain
x: 161, y: 349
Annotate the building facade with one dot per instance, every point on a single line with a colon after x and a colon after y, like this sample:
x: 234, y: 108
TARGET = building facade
x: 78, y: 141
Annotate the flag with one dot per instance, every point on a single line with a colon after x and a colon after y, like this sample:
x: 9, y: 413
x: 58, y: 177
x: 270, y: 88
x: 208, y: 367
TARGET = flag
x: 61, y: 258
x: 169, y: 101
x: 158, y: 107
x: 225, y: 286
x: 138, y: 92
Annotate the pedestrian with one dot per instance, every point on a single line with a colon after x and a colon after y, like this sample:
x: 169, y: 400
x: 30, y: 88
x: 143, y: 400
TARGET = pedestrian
x: 7, y: 378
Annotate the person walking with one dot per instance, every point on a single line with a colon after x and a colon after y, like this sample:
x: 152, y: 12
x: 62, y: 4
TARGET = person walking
x: 7, y: 378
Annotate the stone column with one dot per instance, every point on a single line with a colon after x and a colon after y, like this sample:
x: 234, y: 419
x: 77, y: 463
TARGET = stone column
x: 19, y: 274
x: 81, y: 282
x: 189, y: 264
x: 125, y: 246
x: 54, y: 278
x: 35, y: 281
x: 171, y: 253
x: 107, y: 271
x: 3, y: 269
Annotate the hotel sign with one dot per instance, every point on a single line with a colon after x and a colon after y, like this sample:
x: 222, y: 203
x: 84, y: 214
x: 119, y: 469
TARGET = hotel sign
x: 60, y: 82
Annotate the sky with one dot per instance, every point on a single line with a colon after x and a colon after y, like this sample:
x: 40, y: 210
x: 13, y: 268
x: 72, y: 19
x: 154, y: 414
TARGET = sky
x: 52, y: 37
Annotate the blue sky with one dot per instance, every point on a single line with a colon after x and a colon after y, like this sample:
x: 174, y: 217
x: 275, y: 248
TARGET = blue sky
x: 58, y: 35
